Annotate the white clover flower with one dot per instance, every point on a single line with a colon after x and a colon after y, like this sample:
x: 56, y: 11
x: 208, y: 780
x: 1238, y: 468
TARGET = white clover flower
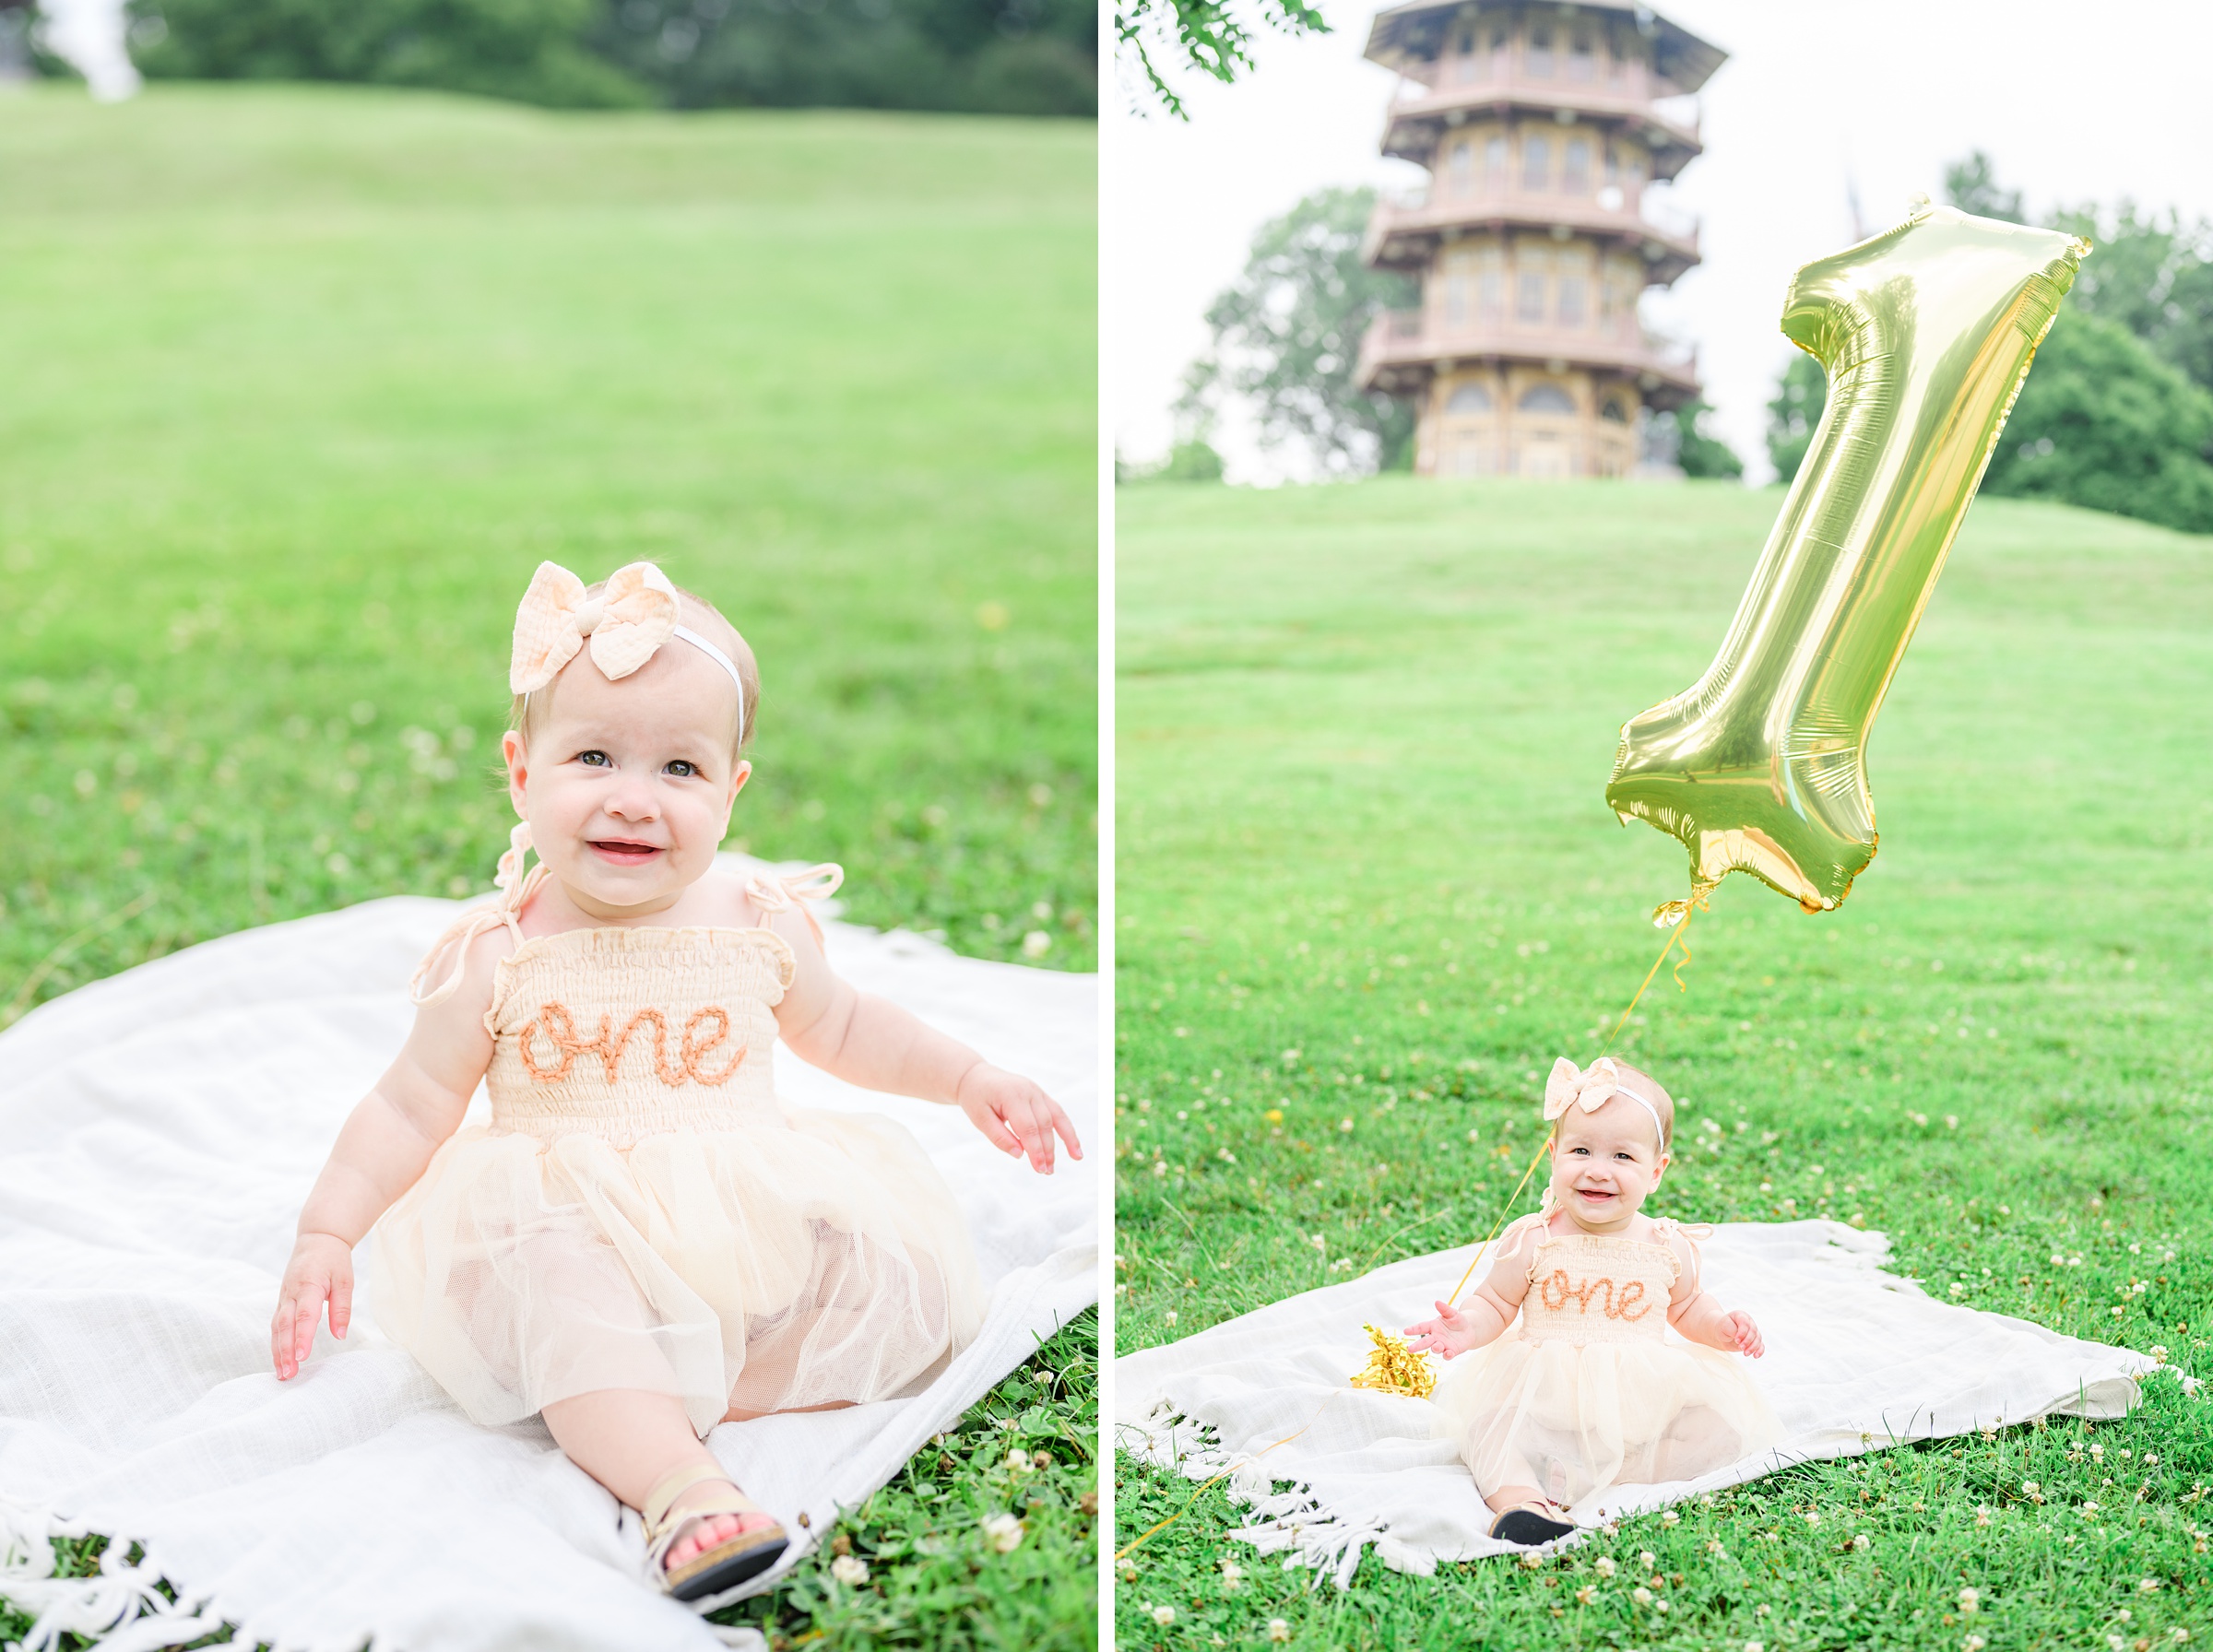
x: 1812, y: 1517
x: 1278, y: 1630
x: 1973, y: 1643
x: 1164, y: 1615
x: 1642, y: 1596
x: 1658, y: 1606
x: 1970, y: 1600
x: 2150, y: 1586
x: 1755, y: 1647
x: 1861, y: 1542
x: 1232, y: 1575
x: 1669, y: 1517
x: 849, y: 1568
x: 1003, y: 1532
x: 1983, y: 1515
x: 1647, y: 1559
x: 1019, y: 1461
x: 1584, y: 1595
x: 1603, y: 1565
x: 1531, y: 1559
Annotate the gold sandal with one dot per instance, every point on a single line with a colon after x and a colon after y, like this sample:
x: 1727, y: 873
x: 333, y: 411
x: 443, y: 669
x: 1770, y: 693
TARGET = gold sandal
x: 728, y: 1563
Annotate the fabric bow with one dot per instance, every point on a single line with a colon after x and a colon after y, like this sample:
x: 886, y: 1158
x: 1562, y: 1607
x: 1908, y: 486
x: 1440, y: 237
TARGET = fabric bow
x: 628, y: 621
x: 1570, y: 1086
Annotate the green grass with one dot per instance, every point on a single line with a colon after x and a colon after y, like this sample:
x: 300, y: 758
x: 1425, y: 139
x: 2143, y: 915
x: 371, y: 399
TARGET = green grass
x: 1364, y: 736
x: 301, y: 384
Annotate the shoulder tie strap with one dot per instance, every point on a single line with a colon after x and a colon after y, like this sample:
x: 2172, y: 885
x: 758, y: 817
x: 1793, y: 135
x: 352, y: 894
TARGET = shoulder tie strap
x: 772, y: 894
x: 515, y: 890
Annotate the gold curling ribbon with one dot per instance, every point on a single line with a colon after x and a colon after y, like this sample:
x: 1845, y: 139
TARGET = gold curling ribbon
x: 1391, y: 1362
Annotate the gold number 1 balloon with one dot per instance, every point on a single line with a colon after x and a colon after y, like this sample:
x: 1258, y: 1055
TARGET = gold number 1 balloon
x: 1926, y: 332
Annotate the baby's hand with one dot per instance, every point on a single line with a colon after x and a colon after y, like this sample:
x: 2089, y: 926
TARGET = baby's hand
x: 321, y: 1271
x: 1449, y: 1334
x: 1016, y: 1115
x: 1748, y: 1342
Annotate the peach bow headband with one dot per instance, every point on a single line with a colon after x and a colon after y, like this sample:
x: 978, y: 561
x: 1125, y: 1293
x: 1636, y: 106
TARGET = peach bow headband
x: 634, y: 613
x: 1570, y: 1086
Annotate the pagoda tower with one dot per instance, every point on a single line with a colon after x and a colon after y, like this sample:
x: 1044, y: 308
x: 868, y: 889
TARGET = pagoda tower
x: 1541, y: 126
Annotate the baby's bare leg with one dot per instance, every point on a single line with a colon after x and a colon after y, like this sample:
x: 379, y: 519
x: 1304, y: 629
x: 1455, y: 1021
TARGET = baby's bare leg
x: 1507, y: 1497
x: 627, y: 1439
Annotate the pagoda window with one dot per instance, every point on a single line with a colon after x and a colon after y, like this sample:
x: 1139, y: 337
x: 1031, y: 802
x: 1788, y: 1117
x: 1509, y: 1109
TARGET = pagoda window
x: 1613, y: 165
x: 1490, y: 287
x: 1495, y: 163
x: 1540, y: 53
x: 1456, y: 300
x: 1575, y: 299
x: 1545, y: 398
x: 1467, y: 399
x: 1537, y: 162
x: 1616, y: 411
x: 1463, y: 57
x: 1529, y: 288
x: 1575, y: 165
x: 1618, y: 64
x: 1500, y: 45
x: 1582, y: 64
x: 1463, y: 170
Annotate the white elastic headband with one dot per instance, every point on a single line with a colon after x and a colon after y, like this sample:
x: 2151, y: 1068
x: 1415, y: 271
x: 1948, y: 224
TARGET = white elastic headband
x: 723, y: 660
x: 1651, y: 1111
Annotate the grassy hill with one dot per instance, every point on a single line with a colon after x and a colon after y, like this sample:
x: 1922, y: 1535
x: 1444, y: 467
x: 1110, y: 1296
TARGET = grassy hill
x: 1364, y: 736
x: 297, y: 386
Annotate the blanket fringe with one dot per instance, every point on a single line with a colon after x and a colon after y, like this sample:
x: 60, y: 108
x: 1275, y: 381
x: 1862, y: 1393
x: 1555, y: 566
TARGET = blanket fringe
x: 1291, y: 1523
x: 120, y: 1608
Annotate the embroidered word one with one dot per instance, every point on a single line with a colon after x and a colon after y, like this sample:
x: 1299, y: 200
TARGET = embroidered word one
x: 693, y: 1048
x: 1557, y: 1290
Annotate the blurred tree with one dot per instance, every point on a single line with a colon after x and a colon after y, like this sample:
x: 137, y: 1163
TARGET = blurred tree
x: 2103, y: 422
x: 2154, y: 278
x: 986, y: 56
x: 1193, y: 460
x: 1799, y: 398
x: 1698, y: 453
x: 532, y: 51
x: 1972, y: 186
x: 994, y: 56
x: 1206, y: 35
x: 1287, y: 339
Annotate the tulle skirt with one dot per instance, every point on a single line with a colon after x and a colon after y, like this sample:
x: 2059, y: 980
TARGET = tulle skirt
x: 803, y: 1260
x: 1576, y: 1421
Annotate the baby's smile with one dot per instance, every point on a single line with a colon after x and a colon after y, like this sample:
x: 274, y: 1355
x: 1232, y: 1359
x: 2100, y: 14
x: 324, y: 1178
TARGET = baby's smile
x: 625, y: 852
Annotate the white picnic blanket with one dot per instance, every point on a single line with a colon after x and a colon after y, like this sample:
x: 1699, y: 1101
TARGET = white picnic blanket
x: 158, y: 1133
x: 1857, y: 1359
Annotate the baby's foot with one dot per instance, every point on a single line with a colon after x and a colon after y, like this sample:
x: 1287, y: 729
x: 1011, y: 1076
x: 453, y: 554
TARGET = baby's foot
x: 709, y: 1530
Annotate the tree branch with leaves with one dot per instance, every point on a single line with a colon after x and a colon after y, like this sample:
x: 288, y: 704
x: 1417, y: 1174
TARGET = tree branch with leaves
x: 1212, y: 36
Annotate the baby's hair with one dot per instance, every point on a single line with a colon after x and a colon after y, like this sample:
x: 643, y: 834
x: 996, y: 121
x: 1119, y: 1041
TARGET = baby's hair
x: 528, y: 710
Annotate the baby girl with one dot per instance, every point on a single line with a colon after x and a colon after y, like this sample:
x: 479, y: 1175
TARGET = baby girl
x: 645, y: 1243
x: 1589, y: 1391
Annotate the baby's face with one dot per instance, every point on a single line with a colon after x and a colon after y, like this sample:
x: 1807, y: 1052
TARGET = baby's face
x: 1605, y: 1163
x: 628, y: 785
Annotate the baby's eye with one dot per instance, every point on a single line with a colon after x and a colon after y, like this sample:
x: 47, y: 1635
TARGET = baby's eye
x: 596, y: 759
x: 683, y: 768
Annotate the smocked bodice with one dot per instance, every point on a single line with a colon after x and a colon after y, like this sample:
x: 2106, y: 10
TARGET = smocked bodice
x: 1598, y: 1288
x: 627, y: 1033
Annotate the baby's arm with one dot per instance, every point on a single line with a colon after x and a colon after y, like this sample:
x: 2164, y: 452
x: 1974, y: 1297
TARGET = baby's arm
x: 866, y: 1041
x: 1702, y: 1318
x: 1489, y: 1311
x: 382, y: 1148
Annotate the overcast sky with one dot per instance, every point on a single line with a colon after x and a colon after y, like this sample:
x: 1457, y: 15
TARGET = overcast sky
x: 2075, y: 103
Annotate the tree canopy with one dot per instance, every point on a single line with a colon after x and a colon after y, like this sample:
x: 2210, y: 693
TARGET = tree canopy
x: 1286, y: 339
x: 987, y: 56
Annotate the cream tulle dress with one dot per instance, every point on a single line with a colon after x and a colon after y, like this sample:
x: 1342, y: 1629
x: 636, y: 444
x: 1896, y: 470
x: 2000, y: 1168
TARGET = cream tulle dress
x: 1589, y: 1388
x: 642, y: 1212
